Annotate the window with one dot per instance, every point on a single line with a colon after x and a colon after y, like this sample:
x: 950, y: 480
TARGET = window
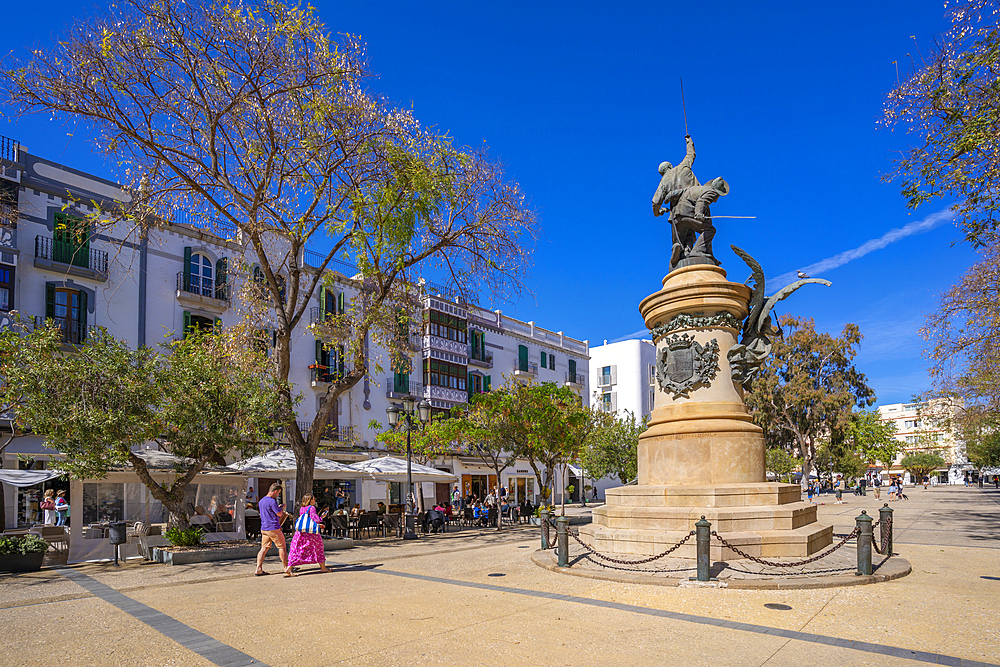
x: 6, y: 286
x: 67, y: 308
x: 605, y: 401
x: 442, y: 374
x: 447, y: 326
x: 911, y: 423
x: 552, y: 362
x: 911, y: 439
x: 545, y: 361
x: 522, y: 358
x: 202, y: 281
x: 67, y: 314
x: 572, y: 368
x: 608, y: 376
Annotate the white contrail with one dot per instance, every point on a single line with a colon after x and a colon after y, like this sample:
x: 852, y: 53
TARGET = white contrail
x: 891, y: 236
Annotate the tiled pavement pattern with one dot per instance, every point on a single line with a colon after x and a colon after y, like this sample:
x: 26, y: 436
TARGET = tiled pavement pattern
x: 478, y: 599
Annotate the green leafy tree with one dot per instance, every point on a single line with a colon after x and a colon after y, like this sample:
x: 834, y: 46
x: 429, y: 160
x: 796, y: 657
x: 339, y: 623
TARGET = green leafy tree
x: 780, y: 462
x: 808, y: 387
x: 872, y: 438
x: 919, y: 464
x: 254, y: 119
x: 984, y: 452
x: 99, y: 403
x: 949, y: 104
x: 613, y: 449
x: 427, y: 442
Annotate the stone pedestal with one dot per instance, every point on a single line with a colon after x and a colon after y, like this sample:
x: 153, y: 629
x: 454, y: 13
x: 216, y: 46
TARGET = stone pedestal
x: 702, y: 454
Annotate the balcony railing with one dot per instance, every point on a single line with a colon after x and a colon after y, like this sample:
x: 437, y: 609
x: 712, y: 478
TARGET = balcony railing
x: 73, y: 333
x: 10, y: 149
x: 323, y: 374
x: 482, y: 358
x: 318, y: 316
x: 202, y: 286
x: 65, y: 253
x: 330, y: 432
x: 395, y: 389
x: 604, y: 381
x: 217, y: 226
x: 576, y: 378
x: 530, y: 367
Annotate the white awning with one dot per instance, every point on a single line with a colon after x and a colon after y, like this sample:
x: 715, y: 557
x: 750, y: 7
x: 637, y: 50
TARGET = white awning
x: 22, y: 478
x: 281, y: 463
x: 389, y: 469
x: 576, y: 470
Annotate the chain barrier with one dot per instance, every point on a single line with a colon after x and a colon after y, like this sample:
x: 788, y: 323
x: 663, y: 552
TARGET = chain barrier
x: 618, y: 561
x: 769, y: 563
x: 883, y: 546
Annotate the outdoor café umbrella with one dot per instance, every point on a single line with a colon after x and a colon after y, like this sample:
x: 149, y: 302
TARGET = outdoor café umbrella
x: 280, y: 463
x: 389, y: 469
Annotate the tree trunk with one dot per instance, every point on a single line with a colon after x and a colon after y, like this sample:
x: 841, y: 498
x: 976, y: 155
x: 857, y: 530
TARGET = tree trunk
x: 3, y: 507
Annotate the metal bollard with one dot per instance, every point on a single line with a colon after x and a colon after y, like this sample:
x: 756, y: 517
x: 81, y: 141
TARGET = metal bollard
x: 703, y: 537
x: 864, y: 523
x: 544, y: 514
x: 885, y: 522
x: 562, y: 541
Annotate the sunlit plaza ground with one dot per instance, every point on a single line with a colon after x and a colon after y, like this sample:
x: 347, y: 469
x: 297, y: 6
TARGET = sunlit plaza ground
x: 475, y: 597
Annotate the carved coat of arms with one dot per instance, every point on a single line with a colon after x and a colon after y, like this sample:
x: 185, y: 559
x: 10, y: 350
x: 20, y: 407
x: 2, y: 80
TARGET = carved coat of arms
x: 684, y: 364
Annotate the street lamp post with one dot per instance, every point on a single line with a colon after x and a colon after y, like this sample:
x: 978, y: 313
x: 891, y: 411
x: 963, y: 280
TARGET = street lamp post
x: 423, y: 415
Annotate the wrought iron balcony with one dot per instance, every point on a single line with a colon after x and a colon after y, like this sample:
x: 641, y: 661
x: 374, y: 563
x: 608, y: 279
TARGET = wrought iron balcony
x: 394, y: 389
x: 199, y: 286
x: 322, y: 374
x: 576, y: 378
x: 10, y: 150
x: 330, y: 432
x: 529, y: 368
x: 71, y: 255
x: 481, y: 358
x: 318, y: 316
x: 73, y: 333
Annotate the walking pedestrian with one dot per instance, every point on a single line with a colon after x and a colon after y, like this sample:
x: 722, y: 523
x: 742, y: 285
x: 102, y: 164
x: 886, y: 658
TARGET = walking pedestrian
x: 456, y: 497
x: 307, y: 543
x: 62, y: 508
x: 810, y: 491
x: 49, y: 506
x: 877, y: 487
x: 271, y: 516
x: 840, y: 490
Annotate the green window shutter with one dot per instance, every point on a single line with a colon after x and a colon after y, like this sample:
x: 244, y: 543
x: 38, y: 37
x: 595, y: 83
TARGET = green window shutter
x: 486, y: 383
x: 470, y: 386
x: 187, y: 322
x: 322, y: 304
x: 82, y: 321
x: 217, y: 325
x: 545, y: 361
x: 340, y: 359
x: 50, y: 300
x: 522, y: 357
x: 222, y: 279
x: 572, y: 366
x: 340, y: 303
x: 319, y: 353
x: 187, y: 268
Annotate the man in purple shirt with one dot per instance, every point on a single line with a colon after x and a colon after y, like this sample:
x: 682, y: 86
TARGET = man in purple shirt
x: 271, y: 515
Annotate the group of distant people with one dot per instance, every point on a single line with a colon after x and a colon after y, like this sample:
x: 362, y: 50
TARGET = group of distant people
x: 872, y: 479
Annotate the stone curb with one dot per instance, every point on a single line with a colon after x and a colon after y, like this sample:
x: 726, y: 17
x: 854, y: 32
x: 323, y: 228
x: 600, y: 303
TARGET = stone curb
x: 894, y: 568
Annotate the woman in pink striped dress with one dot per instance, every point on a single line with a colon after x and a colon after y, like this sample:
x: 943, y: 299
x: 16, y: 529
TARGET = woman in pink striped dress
x: 307, y: 548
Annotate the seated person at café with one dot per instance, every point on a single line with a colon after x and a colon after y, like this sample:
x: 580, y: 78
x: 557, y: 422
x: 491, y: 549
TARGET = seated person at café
x: 250, y: 511
x: 381, y: 509
x: 341, y: 510
x: 222, y: 515
x: 200, y: 518
x: 448, y: 513
x: 356, y: 511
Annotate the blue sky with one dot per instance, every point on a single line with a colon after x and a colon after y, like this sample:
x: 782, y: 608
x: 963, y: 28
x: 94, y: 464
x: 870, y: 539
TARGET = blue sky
x: 581, y: 103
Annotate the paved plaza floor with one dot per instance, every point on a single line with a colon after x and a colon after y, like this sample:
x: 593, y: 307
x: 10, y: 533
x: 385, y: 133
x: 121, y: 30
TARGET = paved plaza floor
x: 476, y: 598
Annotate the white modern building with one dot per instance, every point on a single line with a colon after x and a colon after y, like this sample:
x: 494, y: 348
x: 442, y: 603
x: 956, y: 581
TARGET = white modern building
x: 623, y: 377
x: 923, y: 426
x: 145, y: 289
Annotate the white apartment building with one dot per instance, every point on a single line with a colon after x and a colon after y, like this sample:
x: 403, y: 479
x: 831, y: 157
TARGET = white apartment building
x: 923, y: 427
x: 145, y: 289
x: 623, y: 377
